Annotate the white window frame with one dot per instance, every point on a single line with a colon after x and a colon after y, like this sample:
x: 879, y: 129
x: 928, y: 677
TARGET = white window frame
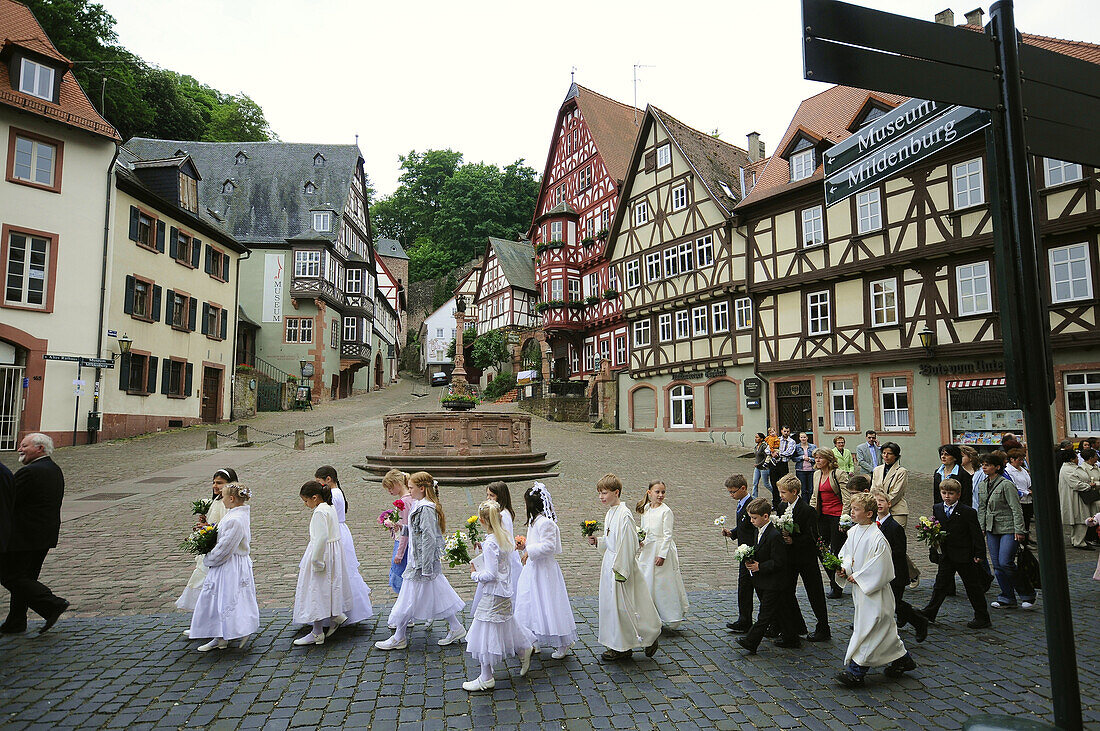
x: 641, y: 213
x: 593, y: 284
x: 889, y: 410
x: 351, y: 325
x: 322, y: 221
x: 884, y: 302
x: 672, y: 267
x: 653, y: 266
x: 664, y: 155
x: 1062, y: 260
x: 679, y: 197
x: 556, y: 231
x: 641, y: 333
x: 334, y: 335
x: 802, y: 164
x: 969, y: 302
x: 574, y: 289
x: 681, y: 401
x: 557, y: 289
x: 843, y: 418
x: 34, y: 267
x: 31, y: 160
x: 40, y: 76
x: 819, y: 313
x: 1088, y: 383
x: 720, y: 317
x: 967, y: 184
x: 1057, y: 172
x: 589, y: 356
x: 813, y: 227
x: 664, y: 327
x: 612, y: 278
x: 354, y: 281
x: 307, y: 264
x: 620, y: 349
x: 683, y: 324
x: 699, y: 318
x: 704, y: 251
x: 869, y: 211
x: 633, y: 274
x: 685, y: 255
x: 742, y: 313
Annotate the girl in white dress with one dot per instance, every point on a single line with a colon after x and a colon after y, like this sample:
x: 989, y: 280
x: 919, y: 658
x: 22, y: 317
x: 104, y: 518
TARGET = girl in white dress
x: 226, y: 608
x: 628, y: 618
x: 396, y: 483
x: 542, y: 602
x: 322, y: 596
x: 360, y: 593
x: 659, y: 559
x: 425, y: 593
x: 498, y: 493
x: 495, y: 634
x: 191, y: 592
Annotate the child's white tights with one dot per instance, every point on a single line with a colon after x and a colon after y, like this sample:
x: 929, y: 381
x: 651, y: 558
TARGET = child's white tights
x: 453, y: 625
x: 486, y: 671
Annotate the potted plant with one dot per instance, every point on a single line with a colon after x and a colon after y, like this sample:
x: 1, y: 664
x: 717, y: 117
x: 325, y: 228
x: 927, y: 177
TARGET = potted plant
x: 555, y: 304
x: 602, y: 234
x: 555, y: 244
x: 575, y: 304
x: 244, y: 368
x: 587, y: 241
x: 540, y: 248
x: 592, y: 299
x: 459, y: 401
x: 542, y: 307
x: 610, y: 294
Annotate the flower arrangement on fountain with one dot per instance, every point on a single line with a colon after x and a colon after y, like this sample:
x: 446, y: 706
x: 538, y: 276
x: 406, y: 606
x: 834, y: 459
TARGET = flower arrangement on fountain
x: 460, y: 396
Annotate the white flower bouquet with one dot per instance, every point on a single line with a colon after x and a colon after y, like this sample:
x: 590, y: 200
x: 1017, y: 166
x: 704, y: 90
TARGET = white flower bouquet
x: 846, y: 522
x: 785, y: 522
x: 744, y: 553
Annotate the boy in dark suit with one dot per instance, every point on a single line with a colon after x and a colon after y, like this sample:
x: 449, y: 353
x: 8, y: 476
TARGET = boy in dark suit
x: 961, y: 552
x: 769, y: 567
x: 744, y: 533
x: 895, y: 536
x: 803, y: 555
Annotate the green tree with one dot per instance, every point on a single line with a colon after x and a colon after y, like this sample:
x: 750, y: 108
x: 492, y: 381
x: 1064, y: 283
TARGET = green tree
x: 238, y: 119
x: 428, y: 260
x: 490, y: 349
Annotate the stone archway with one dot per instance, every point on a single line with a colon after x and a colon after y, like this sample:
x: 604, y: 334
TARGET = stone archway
x: 539, y: 337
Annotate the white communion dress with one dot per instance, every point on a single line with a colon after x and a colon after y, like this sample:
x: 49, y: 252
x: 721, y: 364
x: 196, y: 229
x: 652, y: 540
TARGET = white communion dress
x: 425, y: 594
x: 191, y: 592
x: 508, y: 524
x: 542, y: 602
x: 495, y: 634
x: 361, y: 607
x: 226, y: 607
x: 628, y: 618
x: 666, y: 585
x: 322, y: 594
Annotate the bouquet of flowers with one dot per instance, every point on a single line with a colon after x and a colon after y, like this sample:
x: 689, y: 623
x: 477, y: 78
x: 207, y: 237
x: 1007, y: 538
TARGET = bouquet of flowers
x: 828, y: 559
x: 846, y: 521
x: 521, y: 543
x: 641, y: 536
x: 589, y: 527
x: 929, y: 531
x: 744, y: 553
x: 473, y: 529
x: 390, y: 515
x: 720, y: 520
x: 201, y: 541
x: 785, y: 522
x: 201, y: 507
x: 456, y: 551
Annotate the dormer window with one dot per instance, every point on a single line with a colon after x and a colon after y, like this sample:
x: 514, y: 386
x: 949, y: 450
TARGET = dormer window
x: 36, y: 79
x: 802, y: 165
x: 189, y: 192
x: 240, y: 158
x: 322, y: 221
x: 228, y: 187
x: 310, y: 188
x: 873, y: 113
x: 318, y: 160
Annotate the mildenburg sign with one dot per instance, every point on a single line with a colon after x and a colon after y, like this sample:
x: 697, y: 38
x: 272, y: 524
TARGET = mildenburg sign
x: 882, y: 131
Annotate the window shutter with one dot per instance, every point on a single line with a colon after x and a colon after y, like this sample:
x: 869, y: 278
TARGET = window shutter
x: 166, y: 377
x: 168, y: 300
x: 173, y: 242
x: 225, y: 267
x: 133, y: 223
x: 191, y: 314
x: 156, y: 302
x: 187, y: 382
x: 650, y: 161
x: 151, y: 384
x: 196, y: 247
x: 205, y: 316
x: 124, y: 372
x: 225, y: 323
x: 128, y: 303
x: 160, y: 236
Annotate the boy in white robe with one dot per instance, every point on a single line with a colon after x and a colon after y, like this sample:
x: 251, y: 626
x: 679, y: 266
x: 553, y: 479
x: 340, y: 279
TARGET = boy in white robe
x: 867, y: 564
x: 628, y: 617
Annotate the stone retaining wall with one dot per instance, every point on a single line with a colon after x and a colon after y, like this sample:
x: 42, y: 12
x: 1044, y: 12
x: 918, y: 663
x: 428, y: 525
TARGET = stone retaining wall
x: 557, y: 408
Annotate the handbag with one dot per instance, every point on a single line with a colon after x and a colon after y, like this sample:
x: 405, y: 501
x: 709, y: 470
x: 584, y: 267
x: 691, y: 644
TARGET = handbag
x: 1090, y: 495
x: 1028, y: 566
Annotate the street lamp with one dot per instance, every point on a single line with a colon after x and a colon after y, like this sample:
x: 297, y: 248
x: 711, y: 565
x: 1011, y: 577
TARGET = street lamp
x: 124, y: 345
x: 927, y: 340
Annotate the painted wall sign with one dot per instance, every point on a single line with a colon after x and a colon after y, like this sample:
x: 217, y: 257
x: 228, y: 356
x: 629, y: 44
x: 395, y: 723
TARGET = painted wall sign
x: 273, y: 288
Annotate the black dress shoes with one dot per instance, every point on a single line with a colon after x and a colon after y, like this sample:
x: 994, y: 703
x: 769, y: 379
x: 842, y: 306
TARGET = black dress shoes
x: 52, y: 617
x: 848, y: 679
x: 900, y: 666
x: 747, y: 645
x: 738, y: 627
x: 771, y: 633
x: 12, y: 629
x: 920, y: 626
x: 835, y: 593
x: 819, y: 636
x: 979, y: 624
x: 652, y: 649
x: 610, y: 654
x: 791, y: 644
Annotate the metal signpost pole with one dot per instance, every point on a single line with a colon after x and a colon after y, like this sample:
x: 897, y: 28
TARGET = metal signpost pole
x: 76, y: 388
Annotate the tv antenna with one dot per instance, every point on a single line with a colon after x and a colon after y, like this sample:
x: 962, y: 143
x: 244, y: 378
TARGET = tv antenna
x: 636, y: 67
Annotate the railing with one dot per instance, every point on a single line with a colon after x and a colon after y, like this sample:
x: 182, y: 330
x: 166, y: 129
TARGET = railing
x: 317, y: 287
x: 264, y: 368
x: 355, y: 350
x: 360, y: 302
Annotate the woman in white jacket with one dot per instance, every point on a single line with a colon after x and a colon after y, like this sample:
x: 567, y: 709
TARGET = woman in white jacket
x: 226, y: 608
x: 322, y: 596
x: 659, y: 560
x: 542, y: 601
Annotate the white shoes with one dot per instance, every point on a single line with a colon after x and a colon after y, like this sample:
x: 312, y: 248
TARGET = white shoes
x: 560, y: 653
x: 453, y: 637
x: 478, y: 684
x: 1027, y: 605
x: 215, y: 644
x: 311, y: 639
x: 187, y: 633
x: 525, y: 665
x: 336, y: 622
x: 392, y: 644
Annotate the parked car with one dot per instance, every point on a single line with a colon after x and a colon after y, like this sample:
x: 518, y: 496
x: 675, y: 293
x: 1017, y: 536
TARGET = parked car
x: 439, y: 378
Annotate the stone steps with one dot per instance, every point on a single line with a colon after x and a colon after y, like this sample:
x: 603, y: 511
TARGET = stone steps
x: 469, y: 470
x: 509, y: 397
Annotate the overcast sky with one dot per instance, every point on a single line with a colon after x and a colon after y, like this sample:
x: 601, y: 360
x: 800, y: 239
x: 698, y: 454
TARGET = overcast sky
x: 487, y: 78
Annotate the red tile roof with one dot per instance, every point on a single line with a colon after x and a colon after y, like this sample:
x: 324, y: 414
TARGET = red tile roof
x: 20, y: 29
x: 613, y: 129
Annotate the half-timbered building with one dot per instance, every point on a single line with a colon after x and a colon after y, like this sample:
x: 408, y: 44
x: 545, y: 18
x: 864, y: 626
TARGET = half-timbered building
x: 881, y: 312
x: 682, y: 265
x: 585, y: 167
x: 505, y: 294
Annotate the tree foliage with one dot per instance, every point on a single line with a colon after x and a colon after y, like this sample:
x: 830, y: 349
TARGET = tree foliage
x: 490, y: 349
x: 448, y: 208
x: 139, y: 99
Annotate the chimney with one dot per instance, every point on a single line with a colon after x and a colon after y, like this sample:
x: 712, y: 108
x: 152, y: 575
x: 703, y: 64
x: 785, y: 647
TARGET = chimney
x: 946, y: 17
x: 974, y: 17
x: 756, y: 147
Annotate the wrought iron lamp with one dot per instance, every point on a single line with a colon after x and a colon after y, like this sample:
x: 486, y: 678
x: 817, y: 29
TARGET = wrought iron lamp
x: 927, y: 340
x: 124, y: 345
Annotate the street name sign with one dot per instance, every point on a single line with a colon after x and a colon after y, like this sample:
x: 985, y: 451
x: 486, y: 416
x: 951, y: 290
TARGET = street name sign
x: 83, y: 361
x: 886, y: 149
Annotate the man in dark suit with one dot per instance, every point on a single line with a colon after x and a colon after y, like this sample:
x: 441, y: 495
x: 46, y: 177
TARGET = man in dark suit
x: 961, y: 552
x: 803, y: 555
x: 31, y: 521
x: 895, y: 536
x: 745, y: 535
x: 768, y: 565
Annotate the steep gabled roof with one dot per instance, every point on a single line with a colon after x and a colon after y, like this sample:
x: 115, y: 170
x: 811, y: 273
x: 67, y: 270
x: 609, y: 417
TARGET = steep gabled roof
x: 391, y: 248
x: 268, y: 203
x: 20, y: 29
x: 517, y: 261
x: 613, y: 128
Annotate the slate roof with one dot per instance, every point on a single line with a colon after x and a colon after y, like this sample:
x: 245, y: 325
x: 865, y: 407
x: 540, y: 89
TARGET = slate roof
x: 391, y: 248
x: 517, y: 261
x: 716, y: 161
x: 268, y: 203
x: 20, y: 29
x: 612, y: 126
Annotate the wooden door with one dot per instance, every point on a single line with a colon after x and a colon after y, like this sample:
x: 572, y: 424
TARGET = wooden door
x: 211, y: 394
x: 794, y: 405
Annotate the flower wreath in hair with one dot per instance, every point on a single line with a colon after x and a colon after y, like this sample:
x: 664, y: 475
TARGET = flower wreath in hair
x: 547, y: 504
x: 245, y: 492
x: 435, y: 485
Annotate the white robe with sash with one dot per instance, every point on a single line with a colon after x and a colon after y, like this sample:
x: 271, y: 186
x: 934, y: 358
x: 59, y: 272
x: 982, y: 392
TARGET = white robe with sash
x: 866, y: 557
x: 628, y: 617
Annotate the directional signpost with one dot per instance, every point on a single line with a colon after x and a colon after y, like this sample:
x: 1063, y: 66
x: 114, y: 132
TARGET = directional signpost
x: 1055, y: 114
x: 81, y: 363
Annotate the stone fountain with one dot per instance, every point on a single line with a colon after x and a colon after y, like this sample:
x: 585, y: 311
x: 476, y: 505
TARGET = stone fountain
x: 458, y: 446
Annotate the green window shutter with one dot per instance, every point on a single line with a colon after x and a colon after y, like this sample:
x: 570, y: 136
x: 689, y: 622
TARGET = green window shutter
x: 128, y: 302
x: 196, y: 246
x: 156, y: 302
x: 225, y: 267
x: 134, y: 223
x: 191, y: 315
x: 225, y: 320
x: 187, y: 382
x: 160, y: 236
x: 166, y: 377
x: 124, y: 372
x: 173, y: 243
x: 205, y: 318
x: 151, y: 384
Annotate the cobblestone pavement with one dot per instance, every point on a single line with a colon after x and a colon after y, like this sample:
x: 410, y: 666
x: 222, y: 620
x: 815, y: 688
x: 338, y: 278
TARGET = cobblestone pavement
x: 138, y: 673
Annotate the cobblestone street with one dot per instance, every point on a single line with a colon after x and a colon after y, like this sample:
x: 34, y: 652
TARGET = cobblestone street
x: 117, y: 659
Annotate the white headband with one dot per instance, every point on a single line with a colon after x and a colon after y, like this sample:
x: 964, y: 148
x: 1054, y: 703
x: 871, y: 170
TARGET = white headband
x: 547, y: 504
